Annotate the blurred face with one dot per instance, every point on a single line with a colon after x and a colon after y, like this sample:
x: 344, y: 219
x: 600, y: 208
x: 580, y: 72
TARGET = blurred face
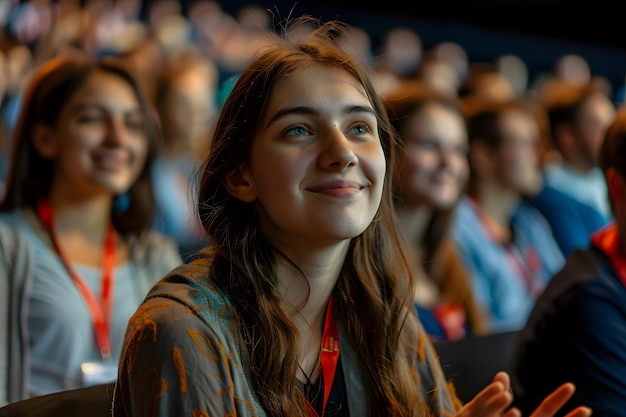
x: 517, y: 158
x: 436, y: 168
x: 189, y: 110
x: 317, y: 167
x: 99, y: 144
x: 595, y: 117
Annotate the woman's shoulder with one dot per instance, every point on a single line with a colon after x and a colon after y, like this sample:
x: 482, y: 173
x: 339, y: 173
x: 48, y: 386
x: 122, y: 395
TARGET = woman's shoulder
x: 191, y: 285
x: 20, y: 226
x: 19, y: 219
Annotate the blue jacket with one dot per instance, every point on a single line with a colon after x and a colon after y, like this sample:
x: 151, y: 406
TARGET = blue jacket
x: 571, y: 221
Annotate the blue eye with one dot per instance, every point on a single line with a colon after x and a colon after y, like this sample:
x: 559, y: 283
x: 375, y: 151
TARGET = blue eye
x: 297, y: 131
x: 360, y: 129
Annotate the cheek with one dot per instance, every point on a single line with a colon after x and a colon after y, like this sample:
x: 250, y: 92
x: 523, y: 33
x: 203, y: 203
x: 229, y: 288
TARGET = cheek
x: 277, y: 173
x: 530, y: 157
x: 380, y: 165
x: 462, y: 170
x: 139, y: 146
x: 421, y: 162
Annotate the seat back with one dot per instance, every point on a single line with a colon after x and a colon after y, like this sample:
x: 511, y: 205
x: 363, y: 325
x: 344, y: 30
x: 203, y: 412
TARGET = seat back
x: 94, y: 401
x: 472, y: 362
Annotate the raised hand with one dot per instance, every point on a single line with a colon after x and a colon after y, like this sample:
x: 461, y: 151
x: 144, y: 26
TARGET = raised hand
x: 496, y: 398
x: 553, y: 403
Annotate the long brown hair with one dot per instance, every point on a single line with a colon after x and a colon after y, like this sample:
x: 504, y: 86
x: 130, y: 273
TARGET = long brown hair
x: 30, y: 175
x: 373, y: 296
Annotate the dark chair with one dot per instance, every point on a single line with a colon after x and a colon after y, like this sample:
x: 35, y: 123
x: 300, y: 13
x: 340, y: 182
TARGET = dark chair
x: 94, y: 401
x: 472, y: 362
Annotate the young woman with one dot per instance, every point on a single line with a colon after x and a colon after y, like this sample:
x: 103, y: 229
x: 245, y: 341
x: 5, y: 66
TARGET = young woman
x: 78, y: 194
x: 304, y: 305
x: 431, y: 177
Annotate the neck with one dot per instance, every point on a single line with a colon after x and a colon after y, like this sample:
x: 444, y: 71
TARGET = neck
x: 306, y: 293
x: 413, y: 223
x: 580, y: 166
x: 307, y: 290
x: 498, y: 204
x: 88, y: 217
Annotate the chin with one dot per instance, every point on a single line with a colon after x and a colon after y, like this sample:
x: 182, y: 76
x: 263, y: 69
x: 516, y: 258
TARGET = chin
x: 347, y: 232
x: 444, y: 202
x: 115, y: 189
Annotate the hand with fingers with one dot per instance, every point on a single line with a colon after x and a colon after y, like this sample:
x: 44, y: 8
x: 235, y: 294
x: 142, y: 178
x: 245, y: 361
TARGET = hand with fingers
x: 496, y: 398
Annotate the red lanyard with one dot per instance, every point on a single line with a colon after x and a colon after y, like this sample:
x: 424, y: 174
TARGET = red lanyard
x: 607, y: 240
x: 329, y: 356
x: 100, y: 309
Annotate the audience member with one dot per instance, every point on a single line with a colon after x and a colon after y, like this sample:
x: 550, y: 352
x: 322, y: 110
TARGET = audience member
x: 432, y: 174
x: 506, y: 243
x: 397, y: 58
x: 579, y: 117
x: 400, y: 52
x: 186, y: 103
x: 515, y: 70
x: 484, y: 82
x: 570, y: 220
x: 304, y: 305
x: 439, y: 74
x: 576, y: 330
x: 78, y: 191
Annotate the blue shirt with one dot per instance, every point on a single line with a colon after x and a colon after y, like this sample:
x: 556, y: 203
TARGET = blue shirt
x: 506, y: 279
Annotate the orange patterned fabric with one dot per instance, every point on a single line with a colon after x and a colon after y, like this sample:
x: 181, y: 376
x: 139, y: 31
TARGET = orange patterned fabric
x: 181, y: 357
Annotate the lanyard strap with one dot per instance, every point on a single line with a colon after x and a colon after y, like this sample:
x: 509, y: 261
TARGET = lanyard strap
x: 525, y: 264
x: 607, y: 240
x: 329, y: 355
x: 100, y: 309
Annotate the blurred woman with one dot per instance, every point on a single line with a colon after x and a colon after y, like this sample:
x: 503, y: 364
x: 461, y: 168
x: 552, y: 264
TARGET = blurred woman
x: 432, y: 175
x: 78, y: 192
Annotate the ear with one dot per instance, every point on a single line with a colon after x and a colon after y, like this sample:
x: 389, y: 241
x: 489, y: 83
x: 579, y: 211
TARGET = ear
x: 481, y: 158
x: 239, y: 184
x: 44, y: 141
x: 616, y: 185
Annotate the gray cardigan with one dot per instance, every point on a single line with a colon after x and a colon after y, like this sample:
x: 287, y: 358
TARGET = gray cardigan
x: 155, y: 256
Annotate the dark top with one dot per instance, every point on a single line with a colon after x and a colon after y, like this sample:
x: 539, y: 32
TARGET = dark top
x: 577, y: 333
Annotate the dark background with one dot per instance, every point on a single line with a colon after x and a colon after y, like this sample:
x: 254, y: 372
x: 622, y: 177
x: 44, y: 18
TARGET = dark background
x: 602, y: 21
x: 538, y: 31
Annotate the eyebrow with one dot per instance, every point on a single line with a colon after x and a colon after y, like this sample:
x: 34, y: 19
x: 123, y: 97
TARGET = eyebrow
x: 306, y: 110
x: 80, y: 106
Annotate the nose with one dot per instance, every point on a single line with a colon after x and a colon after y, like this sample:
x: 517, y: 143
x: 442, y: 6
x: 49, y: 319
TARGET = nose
x: 337, y: 152
x: 116, y: 132
x: 447, y: 156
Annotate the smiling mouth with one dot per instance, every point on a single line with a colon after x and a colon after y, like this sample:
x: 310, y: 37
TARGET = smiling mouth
x: 343, y: 189
x: 111, y: 163
x: 110, y: 160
